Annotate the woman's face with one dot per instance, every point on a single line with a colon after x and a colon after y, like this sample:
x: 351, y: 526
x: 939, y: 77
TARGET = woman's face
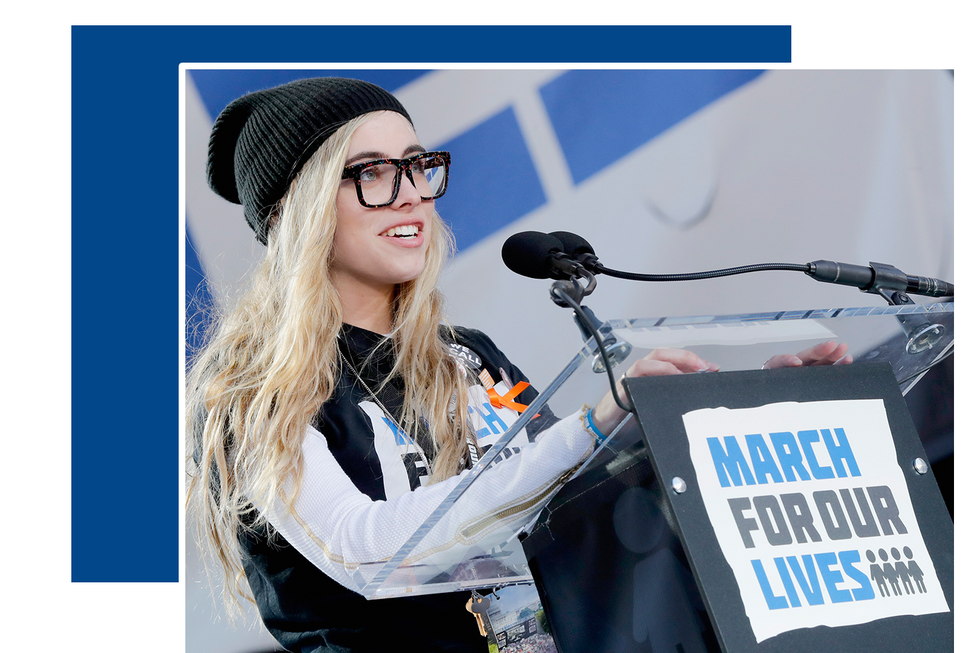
x: 368, y: 255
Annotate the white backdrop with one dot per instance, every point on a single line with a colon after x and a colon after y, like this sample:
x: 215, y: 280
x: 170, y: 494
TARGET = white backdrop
x: 788, y: 166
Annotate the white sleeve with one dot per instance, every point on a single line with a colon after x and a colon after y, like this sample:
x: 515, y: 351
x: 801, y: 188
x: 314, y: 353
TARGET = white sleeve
x: 338, y: 528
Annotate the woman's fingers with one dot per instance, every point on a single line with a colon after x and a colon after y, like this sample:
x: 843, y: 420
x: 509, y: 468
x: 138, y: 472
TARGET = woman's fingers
x: 825, y: 353
x: 782, y: 360
x: 670, y: 361
x: 648, y: 367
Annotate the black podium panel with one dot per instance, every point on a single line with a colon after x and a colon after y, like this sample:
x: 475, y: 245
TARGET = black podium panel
x: 609, y: 567
x: 662, y: 401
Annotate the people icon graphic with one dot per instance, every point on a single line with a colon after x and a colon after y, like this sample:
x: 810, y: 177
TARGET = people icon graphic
x: 902, y: 574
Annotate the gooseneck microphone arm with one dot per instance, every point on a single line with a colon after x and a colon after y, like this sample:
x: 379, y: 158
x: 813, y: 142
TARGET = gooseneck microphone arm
x: 694, y: 276
x: 876, y: 278
x: 879, y: 278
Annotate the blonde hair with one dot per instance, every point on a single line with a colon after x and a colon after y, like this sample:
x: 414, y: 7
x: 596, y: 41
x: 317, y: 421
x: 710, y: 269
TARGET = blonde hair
x: 273, y: 360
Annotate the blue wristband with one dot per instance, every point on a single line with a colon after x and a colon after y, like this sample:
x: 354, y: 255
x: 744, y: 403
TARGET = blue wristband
x: 591, y: 427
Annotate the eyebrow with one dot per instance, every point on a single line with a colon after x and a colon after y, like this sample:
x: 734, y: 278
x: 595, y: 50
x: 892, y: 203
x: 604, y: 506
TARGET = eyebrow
x: 374, y: 154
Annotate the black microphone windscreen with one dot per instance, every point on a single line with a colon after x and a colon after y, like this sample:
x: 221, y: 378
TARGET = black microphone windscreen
x: 573, y: 244
x: 529, y: 253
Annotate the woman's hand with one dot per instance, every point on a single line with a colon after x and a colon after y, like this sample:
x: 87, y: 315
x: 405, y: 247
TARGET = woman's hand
x: 662, y: 362
x: 826, y: 353
x: 659, y: 362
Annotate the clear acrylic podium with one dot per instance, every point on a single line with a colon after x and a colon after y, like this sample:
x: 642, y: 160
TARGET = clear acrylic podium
x: 487, y: 553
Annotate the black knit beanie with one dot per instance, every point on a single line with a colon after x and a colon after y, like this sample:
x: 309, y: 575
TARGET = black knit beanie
x: 260, y: 141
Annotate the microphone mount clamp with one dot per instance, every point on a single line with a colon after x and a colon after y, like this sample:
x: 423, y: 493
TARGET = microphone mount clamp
x: 891, y: 283
x: 569, y: 294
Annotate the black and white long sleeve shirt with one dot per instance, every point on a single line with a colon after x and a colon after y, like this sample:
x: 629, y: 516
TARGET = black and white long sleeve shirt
x: 365, y: 490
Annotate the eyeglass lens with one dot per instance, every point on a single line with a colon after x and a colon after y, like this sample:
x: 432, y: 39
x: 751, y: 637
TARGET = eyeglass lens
x: 428, y: 173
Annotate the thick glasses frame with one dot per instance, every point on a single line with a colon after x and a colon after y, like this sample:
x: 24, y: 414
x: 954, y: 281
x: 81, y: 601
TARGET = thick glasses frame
x: 404, y: 169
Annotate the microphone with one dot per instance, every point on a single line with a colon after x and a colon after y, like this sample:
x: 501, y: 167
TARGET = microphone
x: 878, y: 275
x: 544, y: 256
x: 578, y: 248
x: 539, y: 256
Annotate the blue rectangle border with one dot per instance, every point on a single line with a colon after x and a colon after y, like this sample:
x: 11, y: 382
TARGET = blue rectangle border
x: 126, y: 295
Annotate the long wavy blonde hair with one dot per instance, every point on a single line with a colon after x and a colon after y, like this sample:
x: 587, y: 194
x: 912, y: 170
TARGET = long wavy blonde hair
x: 272, y: 361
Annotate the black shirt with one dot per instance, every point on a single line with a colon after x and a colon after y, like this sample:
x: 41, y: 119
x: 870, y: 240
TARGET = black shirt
x: 303, y: 608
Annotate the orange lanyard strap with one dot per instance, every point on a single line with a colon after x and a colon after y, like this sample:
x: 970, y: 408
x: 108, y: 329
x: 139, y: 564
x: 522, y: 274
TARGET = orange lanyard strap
x: 508, y: 399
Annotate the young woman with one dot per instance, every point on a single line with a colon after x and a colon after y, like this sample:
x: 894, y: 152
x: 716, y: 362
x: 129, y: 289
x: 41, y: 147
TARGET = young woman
x: 332, y: 409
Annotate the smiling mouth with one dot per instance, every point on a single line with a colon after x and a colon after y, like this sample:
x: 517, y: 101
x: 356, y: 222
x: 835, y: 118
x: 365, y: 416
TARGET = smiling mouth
x: 403, y: 231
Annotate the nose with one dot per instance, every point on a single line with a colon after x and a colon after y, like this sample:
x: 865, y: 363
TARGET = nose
x: 407, y: 192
